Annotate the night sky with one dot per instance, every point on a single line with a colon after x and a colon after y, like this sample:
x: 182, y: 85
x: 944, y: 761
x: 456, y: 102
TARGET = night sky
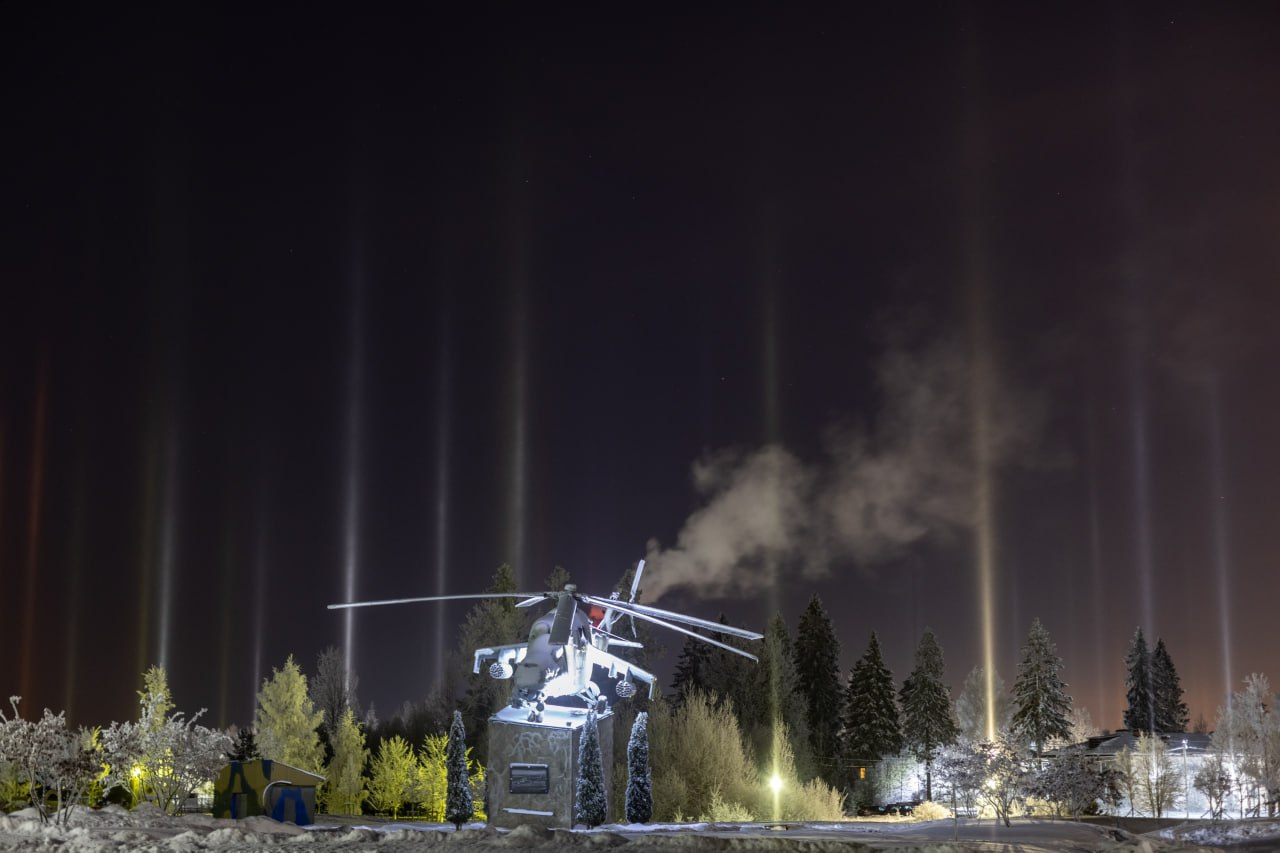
x: 300, y: 305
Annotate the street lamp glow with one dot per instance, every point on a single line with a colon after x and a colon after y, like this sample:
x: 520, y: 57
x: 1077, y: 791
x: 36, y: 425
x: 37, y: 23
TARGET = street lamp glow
x: 775, y: 783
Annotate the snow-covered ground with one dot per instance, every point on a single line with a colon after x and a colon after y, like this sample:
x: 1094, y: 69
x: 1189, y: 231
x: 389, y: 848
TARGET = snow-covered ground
x: 148, y: 831
x: 1259, y: 834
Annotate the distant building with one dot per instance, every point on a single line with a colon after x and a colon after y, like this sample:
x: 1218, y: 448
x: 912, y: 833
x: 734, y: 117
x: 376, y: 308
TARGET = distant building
x: 266, y: 787
x: 1186, y: 750
x: 1110, y: 745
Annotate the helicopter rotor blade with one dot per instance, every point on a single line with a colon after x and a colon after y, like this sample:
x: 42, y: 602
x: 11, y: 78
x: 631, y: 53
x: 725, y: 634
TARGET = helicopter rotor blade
x: 635, y: 582
x: 672, y: 626
x: 563, y: 623
x: 615, y: 640
x: 349, y: 604
x: 637, y: 609
x: 635, y: 588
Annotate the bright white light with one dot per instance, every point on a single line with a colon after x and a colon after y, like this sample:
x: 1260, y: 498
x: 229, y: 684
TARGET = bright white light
x: 776, y: 783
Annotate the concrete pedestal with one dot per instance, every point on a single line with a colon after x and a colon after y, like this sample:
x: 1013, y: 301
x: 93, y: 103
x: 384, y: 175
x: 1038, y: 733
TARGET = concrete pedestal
x: 533, y: 767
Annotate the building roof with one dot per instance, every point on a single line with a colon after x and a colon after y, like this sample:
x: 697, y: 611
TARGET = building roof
x: 1110, y: 744
x: 278, y: 771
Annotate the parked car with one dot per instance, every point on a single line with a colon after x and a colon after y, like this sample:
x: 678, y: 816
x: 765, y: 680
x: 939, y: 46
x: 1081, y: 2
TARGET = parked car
x: 903, y: 808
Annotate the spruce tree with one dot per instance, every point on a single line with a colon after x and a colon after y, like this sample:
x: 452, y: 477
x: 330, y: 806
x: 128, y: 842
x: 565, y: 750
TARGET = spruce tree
x: 729, y: 676
x: 590, y: 804
x: 639, y: 779
x: 1140, y: 716
x: 971, y: 707
x: 927, y: 721
x: 458, y: 806
x: 155, y: 697
x: 774, y: 678
x: 344, y: 777
x: 1040, y: 701
x: 491, y: 622
x: 391, y: 774
x: 872, y: 729
x: 693, y: 669
x: 817, y: 656
x: 287, y: 720
x: 1170, y: 711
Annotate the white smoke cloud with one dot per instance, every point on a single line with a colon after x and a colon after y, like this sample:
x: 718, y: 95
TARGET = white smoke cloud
x: 874, y: 493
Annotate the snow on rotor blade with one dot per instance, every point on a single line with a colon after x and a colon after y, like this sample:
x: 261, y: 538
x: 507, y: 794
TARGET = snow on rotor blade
x: 728, y: 648
x: 718, y: 627
x: 635, y: 582
x: 349, y: 604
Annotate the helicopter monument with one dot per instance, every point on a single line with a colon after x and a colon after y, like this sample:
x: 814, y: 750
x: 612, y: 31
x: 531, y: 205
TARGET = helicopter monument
x: 534, y: 739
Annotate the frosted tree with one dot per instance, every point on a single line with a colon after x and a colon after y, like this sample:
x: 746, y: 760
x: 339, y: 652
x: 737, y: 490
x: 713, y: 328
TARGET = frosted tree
x: 333, y: 688
x: 1040, y: 701
x: 1141, y: 713
x: 991, y: 772
x: 286, y: 720
x: 1082, y: 725
x: 817, y: 659
x: 169, y: 759
x: 1155, y: 783
x: 1214, y: 780
x: 962, y: 770
x: 1251, y: 728
x: 871, y: 728
x: 459, y: 806
x: 927, y: 721
x: 971, y: 706
x: 1072, y: 783
x: 590, y: 805
x: 51, y: 758
x: 345, y: 774
x: 1125, y: 775
x: 391, y: 775
x: 1004, y: 788
x: 639, y: 781
x: 1170, y: 711
x: 697, y: 749
x: 813, y: 800
x: 162, y: 755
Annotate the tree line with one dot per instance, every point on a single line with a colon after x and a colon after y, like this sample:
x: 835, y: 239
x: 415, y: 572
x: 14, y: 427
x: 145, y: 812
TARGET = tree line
x: 844, y: 729
x: 787, y: 737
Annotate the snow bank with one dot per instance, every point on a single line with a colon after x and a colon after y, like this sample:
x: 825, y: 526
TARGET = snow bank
x: 148, y: 831
x: 1225, y: 833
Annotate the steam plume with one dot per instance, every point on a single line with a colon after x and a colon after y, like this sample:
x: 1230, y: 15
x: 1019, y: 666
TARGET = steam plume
x: 876, y: 491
